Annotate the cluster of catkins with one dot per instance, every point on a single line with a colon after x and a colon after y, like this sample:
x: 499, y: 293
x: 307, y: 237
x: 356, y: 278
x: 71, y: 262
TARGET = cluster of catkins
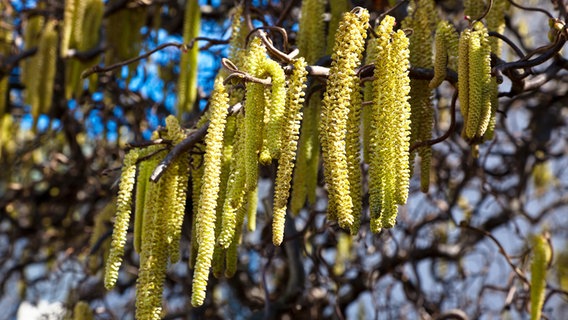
x: 373, y: 121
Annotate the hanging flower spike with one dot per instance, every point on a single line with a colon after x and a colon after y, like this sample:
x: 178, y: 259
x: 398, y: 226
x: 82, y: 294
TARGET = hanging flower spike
x: 377, y: 135
x: 446, y: 40
x: 342, y: 80
x: 272, y: 140
x: 124, y: 204
x: 205, y: 226
x: 290, y: 133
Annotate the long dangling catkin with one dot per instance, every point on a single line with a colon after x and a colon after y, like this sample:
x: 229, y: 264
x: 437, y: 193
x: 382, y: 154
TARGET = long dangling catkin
x: 68, y: 16
x: 205, y: 226
x: 389, y: 166
x: 446, y: 40
x: 311, y: 30
x: 463, y: 75
x: 347, y: 54
x: 272, y: 140
x: 154, y: 253
x: 254, y: 111
x: 123, y: 203
x: 144, y: 171
x: 376, y: 171
x: 496, y: 23
x: 353, y: 147
x: 290, y: 132
x: 541, y: 256
x: 196, y: 182
x: 231, y: 256
x: 235, y: 192
x: 422, y: 19
x: 187, y: 81
x: 479, y: 109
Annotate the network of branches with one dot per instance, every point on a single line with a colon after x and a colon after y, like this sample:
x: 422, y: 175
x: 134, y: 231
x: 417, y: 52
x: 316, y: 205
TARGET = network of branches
x: 276, y: 159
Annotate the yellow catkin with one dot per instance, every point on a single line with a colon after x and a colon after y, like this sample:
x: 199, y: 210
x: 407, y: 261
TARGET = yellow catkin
x: 231, y: 256
x: 541, y: 257
x: 235, y: 191
x: 154, y: 253
x: 196, y: 182
x: 311, y: 30
x: 252, y: 203
x: 79, y: 14
x: 366, y: 112
x: 495, y: 22
x: 32, y: 30
x: 46, y: 65
x: 68, y: 16
x: 445, y: 44
x: 389, y: 166
x: 290, y: 132
x: 352, y: 148
x: 347, y: 54
x: 272, y: 139
x: 380, y: 47
x: 123, y: 203
x: 463, y: 74
x: 144, y: 172
x: 254, y: 111
x: 205, y: 226
x: 479, y: 109
x: 187, y: 81
x: 422, y: 19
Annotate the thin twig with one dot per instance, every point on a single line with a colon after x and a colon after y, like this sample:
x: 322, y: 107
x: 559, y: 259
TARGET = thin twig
x: 501, y: 249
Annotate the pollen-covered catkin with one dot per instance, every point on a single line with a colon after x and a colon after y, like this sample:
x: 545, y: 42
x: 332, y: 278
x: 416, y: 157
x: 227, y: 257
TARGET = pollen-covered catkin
x: 389, y: 166
x: 463, y: 75
x: 342, y: 80
x: 290, y: 132
x: 123, y: 203
x: 206, y: 216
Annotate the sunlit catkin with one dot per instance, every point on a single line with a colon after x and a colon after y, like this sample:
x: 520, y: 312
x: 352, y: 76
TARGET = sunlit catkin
x: 123, y: 203
x: 342, y: 80
x: 463, y: 74
x: 290, y: 132
x: 254, y: 111
x: 389, y: 156
x: 205, y: 226
x: 541, y: 257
